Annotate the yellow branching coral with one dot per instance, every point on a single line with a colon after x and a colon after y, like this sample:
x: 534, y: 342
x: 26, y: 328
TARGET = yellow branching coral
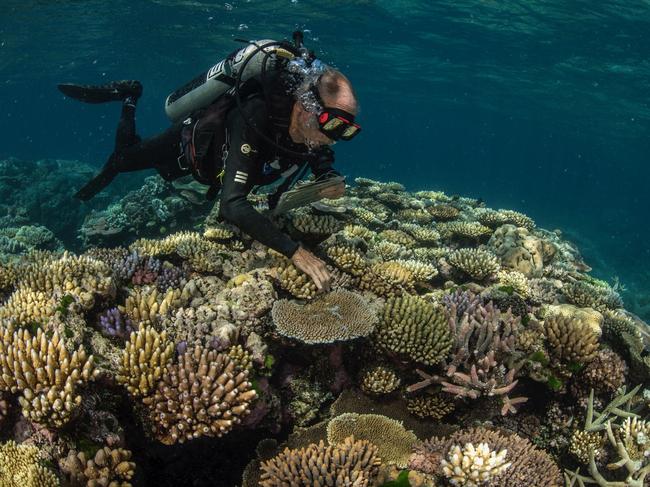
x: 315, y: 224
x: 583, y: 442
x: 424, y: 235
x: 432, y: 406
x: 203, y: 255
x: 348, y: 259
x: 394, y: 442
x: 367, y: 217
x: 336, y: 316
x: 443, y: 213
x: 416, y: 328
x: 109, y: 467
x: 358, y: 231
x: 8, y: 276
x: 145, y: 305
x: 476, y: 263
x: 516, y: 280
x: 143, y: 361
x: 388, y: 279
x: 203, y: 394
x: 27, y: 306
x: 20, y: 466
x: 570, y: 339
x: 471, y: 466
x: 635, y: 433
x: 419, y: 216
x: 45, y: 374
x: 493, y: 219
x: 353, y: 463
x: 585, y: 295
x: 80, y: 276
x: 388, y: 250
x: 467, y: 230
x: 397, y: 237
x: 218, y: 233
x: 421, y: 271
x: 431, y: 254
x: 379, y: 381
x: 295, y: 281
x: 242, y: 358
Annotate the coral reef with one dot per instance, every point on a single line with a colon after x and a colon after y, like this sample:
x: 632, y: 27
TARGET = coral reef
x: 470, y: 465
x: 109, y: 467
x: 379, y: 381
x: 349, y: 462
x: 476, y: 263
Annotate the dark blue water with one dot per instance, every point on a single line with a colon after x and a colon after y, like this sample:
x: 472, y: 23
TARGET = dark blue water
x: 541, y: 106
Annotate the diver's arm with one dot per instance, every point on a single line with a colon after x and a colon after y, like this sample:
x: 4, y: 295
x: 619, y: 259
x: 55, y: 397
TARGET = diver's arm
x: 242, y: 166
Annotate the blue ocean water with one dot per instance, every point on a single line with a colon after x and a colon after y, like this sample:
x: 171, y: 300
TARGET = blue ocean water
x: 539, y: 106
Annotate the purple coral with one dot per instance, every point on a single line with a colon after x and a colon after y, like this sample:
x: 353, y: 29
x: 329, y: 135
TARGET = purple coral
x: 170, y: 277
x: 147, y: 271
x: 114, y: 324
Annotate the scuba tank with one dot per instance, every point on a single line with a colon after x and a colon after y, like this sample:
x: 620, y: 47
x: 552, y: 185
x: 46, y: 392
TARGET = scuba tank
x: 227, y: 75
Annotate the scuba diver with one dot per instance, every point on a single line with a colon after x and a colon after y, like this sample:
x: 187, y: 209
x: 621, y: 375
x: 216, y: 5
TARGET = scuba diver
x: 268, y: 111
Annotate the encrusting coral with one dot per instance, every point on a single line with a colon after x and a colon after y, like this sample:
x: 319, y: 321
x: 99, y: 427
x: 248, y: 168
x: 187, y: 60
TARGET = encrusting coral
x: 337, y: 316
x: 45, y: 374
x: 415, y: 328
x: 394, y: 442
x: 108, y: 467
x: 349, y: 462
x: 20, y: 466
x: 203, y: 393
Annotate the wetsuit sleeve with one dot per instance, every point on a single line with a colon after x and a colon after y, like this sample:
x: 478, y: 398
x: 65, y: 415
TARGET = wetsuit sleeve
x: 321, y: 164
x: 242, y: 164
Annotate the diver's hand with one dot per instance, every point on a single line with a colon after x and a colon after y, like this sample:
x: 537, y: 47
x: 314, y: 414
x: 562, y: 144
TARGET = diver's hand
x: 315, y: 268
x: 333, y: 192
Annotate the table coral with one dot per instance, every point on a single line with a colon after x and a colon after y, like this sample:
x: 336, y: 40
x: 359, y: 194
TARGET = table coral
x: 336, y: 316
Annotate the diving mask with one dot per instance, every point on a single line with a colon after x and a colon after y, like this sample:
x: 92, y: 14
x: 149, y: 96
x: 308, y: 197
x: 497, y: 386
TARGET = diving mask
x: 335, y: 123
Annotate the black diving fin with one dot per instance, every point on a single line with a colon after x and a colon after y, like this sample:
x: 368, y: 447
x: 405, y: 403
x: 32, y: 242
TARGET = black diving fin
x: 114, y: 91
x: 99, y: 182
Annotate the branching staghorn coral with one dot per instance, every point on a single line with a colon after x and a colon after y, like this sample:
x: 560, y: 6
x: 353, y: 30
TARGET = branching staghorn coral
x: 476, y: 263
x: 628, y: 440
x: 379, y: 381
x: 144, y: 360
x: 415, y: 328
x: 529, y: 465
x: 20, y: 466
x: 350, y: 462
x: 108, y: 467
x: 394, y: 442
x: 336, y: 316
x: 204, y: 393
x: 484, y: 337
x: 44, y: 373
x: 471, y: 466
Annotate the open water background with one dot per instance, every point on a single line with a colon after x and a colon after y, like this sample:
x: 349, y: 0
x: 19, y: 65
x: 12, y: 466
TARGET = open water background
x: 538, y: 105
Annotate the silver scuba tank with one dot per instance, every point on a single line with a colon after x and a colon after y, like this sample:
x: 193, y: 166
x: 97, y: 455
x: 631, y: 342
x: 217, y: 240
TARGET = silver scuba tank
x: 210, y: 85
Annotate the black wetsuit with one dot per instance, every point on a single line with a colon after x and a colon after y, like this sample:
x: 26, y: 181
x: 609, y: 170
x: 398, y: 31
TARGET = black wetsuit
x: 249, y: 160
